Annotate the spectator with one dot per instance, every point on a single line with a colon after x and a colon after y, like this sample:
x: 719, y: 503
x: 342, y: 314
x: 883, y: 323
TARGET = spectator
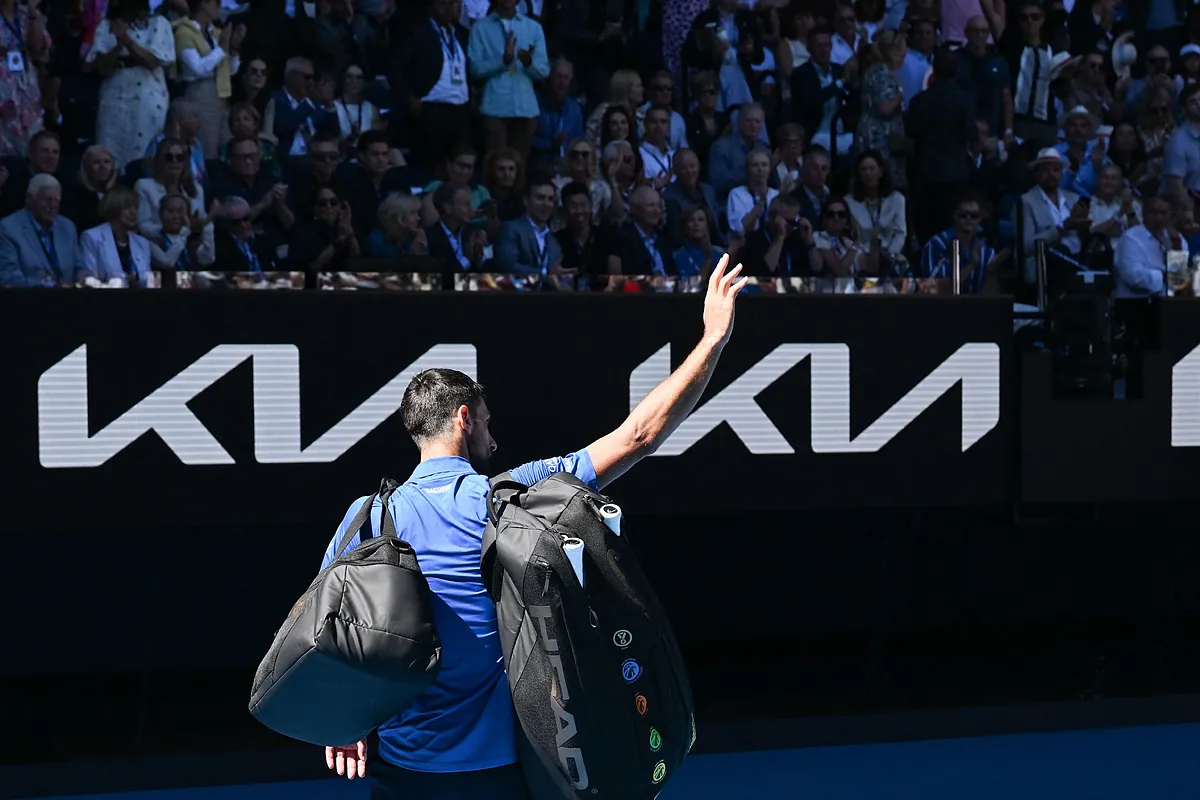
x: 239, y: 248
x: 658, y: 157
x: 789, y: 155
x: 705, y: 125
x: 914, y: 58
x: 298, y: 110
x: 836, y: 244
x: 451, y: 239
x: 878, y: 210
x: 687, y: 191
x: 1082, y: 152
x: 580, y: 167
x: 697, y: 256
x: 618, y: 126
x: 317, y: 170
x: 507, y: 54
x: 429, y: 85
x: 245, y: 123
x: 847, y: 38
x: 983, y: 76
x: 1181, y: 155
x: 525, y: 245
x: 792, y: 51
x: 1112, y: 209
x: 504, y: 179
x: 583, y: 244
x: 717, y: 36
x: 881, y: 126
x: 1050, y: 213
x: 399, y: 232
x: 170, y: 175
x: 355, y: 113
x: 640, y: 248
x: 813, y: 191
x: 45, y: 155
x: 270, y: 211
x: 746, y: 207
x: 819, y: 95
x: 23, y: 38
x: 185, y: 237
x: 620, y: 176
x: 1031, y: 67
x: 662, y: 93
x: 1141, y: 258
x: 560, y: 120
x: 38, y: 247
x: 624, y: 89
x: 1089, y: 90
x: 783, y: 247
x: 183, y: 123
x: 458, y: 167
x: 97, y: 177
x: 978, y: 261
x: 130, y: 51
x: 328, y: 242
x: 249, y: 85
x: 727, y: 161
x: 1155, y: 125
x: 114, y: 251
x: 1158, y: 73
x: 371, y: 180
x: 208, y: 57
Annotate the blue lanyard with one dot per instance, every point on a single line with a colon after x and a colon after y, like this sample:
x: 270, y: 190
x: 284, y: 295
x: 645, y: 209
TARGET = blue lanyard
x: 648, y: 241
x: 543, y: 250
x: 449, y: 42
x: 14, y: 27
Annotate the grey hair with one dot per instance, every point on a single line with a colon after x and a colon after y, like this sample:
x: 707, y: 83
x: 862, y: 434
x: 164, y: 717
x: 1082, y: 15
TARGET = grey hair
x: 613, y: 150
x: 230, y: 204
x: 296, y: 63
x: 40, y: 182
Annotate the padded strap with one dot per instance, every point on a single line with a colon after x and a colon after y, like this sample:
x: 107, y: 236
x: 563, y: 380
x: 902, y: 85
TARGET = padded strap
x: 501, y: 490
x: 361, y: 524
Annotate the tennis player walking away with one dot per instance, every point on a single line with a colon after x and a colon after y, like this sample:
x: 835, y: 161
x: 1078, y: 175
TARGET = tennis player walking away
x: 457, y: 740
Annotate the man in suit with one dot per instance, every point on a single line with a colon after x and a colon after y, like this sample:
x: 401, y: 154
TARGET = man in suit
x: 640, y: 247
x: 429, y: 85
x: 820, y: 95
x: 453, y: 242
x: 1050, y: 214
x: 727, y: 159
x: 37, y: 246
x: 813, y: 190
x: 525, y: 245
x: 238, y: 247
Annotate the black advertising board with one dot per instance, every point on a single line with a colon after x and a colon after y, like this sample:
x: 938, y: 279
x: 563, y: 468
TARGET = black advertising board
x: 153, y: 408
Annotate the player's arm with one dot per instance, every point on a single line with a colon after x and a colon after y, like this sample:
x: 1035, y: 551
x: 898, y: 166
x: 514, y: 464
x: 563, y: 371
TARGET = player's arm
x: 662, y: 411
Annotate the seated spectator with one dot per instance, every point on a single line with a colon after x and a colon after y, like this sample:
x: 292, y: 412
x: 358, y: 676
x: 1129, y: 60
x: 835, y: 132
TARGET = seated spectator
x: 1155, y: 126
x: 298, y: 110
x: 1083, y: 154
x: 114, y: 250
x: 789, y: 155
x: 328, y: 241
x: 45, y: 156
x: 1141, y: 258
x: 451, y: 238
x: 624, y: 89
x: 687, y: 191
x: 355, y: 113
x: 620, y: 176
x: 813, y: 191
x: 185, y: 239
x: 618, y: 126
x: 239, y: 248
x: 640, y: 248
x: 662, y: 93
x: 878, y: 211
x: 525, y: 245
x: 270, y: 211
x: 1125, y: 150
x: 246, y: 123
x: 507, y: 55
x: 658, y: 158
x: 1112, y: 210
x: 315, y: 171
x: 1049, y: 213
x: 399, y: 232
x: 747, y: 205
x: 837, y: 244
x: 560, y: 119
x: 373, y: 178
x: 97, y: 177
x: 38, y: 247
x: 784, y: 246
x: 457, y: 167
x: 170, y: 175
x: 728, y: 158
x: 978, y: 261
x: 584, y: 244
x: 696, y: 256
x: 1181, y: 154
x: 131, y: 49
x: 250, y: 85
x: 183, y: 123
x: 504, y: 179
x: 705, y: 125
x: 580, y: 167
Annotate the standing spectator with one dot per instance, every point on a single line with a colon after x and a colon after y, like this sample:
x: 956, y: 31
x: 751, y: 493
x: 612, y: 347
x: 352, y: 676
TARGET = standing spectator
x: 429, y: 86
x: 560, y: 120
x: 1031, y: 66
x: 355, y: 113
x: 131, y: 49
x: 1141, y: 258
x: 847, y: 38
x: 717, y: 37
x: 705, y: 125
x: 983, y: 76
x: 97, y: 177
x: 916, y: 57
x: 23, y: 38
x: 881, y: 126
x: 113, y: 250
x: 978, y: 261
x: 941, y: 122
x: 208, y: 57
x: 819, y: 94
x: 38, y: 247
x: 508, y: 53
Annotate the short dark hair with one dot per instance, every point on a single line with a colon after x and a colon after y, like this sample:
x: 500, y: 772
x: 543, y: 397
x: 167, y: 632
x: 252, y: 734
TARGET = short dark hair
x: 575, y: 188
x: 431, y: 400
x: 540, y: 177
x: 371, y: 137
x: 444, y: 195
x: 820, y: 30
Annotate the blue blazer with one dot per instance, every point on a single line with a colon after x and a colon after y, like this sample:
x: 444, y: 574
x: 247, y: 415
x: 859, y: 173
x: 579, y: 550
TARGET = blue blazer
x: 517, y: 249
x: 23, y: 262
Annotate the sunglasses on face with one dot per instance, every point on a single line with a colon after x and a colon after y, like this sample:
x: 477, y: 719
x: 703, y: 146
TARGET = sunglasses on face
x: 580, y: 153
x: 257, y: 72
x: 1031, y: 18
x: 327, y: 157
x: 327, y: 202
x: 836, y: 214
x: 663, y: 87
x: 173, y: 158
x: 969, y: 214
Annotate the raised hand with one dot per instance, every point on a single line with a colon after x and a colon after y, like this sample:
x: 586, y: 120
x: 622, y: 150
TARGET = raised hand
x: 723, y: 290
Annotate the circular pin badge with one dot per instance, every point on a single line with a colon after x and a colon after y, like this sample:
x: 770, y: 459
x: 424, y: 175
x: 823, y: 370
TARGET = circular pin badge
x: 660, y: 772
x: 631, y: 670
x: 655, y: 740
x: 640, y: 703
x: 622, y: 638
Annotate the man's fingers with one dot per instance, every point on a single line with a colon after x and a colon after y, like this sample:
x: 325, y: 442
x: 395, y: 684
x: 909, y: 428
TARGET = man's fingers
x: 341, y: 762
x: 351, y: 767
x: 329, y: 757
x: 737, y: 287
x: 722, y: 263
x: 362, y: 767
x: 728, y: 278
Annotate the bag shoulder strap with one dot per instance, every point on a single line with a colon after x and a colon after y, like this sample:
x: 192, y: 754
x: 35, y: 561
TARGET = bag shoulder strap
x: 501, y: 490
x: 361, y: 524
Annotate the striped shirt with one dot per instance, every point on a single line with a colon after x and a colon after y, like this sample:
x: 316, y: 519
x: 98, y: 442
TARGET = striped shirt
x: 935, y: 261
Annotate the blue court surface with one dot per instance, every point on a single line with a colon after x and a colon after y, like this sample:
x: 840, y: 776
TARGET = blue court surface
x: 1143, y: 763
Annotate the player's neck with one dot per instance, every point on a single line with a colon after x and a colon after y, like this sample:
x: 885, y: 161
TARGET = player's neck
x: 444, y: 450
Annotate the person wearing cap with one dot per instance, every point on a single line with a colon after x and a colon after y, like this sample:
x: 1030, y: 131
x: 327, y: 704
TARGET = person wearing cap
x: 1089, y: 89
x: 1189, y: 66
x: 1141, y: 257
x: 1083, y: 153
x: 1050, y: 213
x: 1158, y: 72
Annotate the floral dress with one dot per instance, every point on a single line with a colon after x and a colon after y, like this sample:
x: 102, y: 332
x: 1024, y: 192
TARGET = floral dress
x: 20, y: 95
x: 880, y: 133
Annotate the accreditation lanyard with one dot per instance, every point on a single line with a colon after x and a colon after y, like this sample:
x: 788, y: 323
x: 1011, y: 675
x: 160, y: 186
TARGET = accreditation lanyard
x: 543, y: 254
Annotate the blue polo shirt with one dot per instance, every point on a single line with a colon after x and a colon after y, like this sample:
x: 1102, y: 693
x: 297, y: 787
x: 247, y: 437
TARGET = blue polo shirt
x: 464, y: 722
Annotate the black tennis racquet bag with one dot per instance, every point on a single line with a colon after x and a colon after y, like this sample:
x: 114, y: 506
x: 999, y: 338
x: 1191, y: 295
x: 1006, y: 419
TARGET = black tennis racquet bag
x: 358, y: 646
x: 602, y: 698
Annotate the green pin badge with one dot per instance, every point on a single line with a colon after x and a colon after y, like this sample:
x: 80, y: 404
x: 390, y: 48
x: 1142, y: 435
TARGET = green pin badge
x: 660, y: 772
x: 655, y: 740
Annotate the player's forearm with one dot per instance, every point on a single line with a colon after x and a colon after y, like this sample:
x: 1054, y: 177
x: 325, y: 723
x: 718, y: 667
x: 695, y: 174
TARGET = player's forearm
x: 661, y: 412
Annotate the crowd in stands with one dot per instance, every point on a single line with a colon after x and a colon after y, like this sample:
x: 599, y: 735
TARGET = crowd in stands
x: 806, y: 138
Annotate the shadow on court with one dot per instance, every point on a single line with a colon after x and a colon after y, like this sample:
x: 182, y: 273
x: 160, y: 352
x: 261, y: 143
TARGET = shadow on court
x: 1150, y: 763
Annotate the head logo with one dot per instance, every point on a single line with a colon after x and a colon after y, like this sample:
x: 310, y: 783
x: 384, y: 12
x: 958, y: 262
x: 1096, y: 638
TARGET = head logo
x: 655, y: 740
x: 640, y: 703
x: 660, y: 772
x: 631, y: 671
x: 622, y: 638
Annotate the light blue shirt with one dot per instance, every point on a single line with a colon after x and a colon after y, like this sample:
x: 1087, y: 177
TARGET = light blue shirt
x: 507, y: 90
x: 464, y: 722
x: 912, y: 75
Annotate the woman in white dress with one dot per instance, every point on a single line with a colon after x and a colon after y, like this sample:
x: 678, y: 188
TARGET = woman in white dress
x: 355, y: 113
x: 130, y: 50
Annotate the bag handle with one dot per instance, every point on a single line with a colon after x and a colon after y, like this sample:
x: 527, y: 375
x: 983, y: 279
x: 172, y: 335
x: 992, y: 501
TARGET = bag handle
x: 361, y: 524
x: 501, y: 483
x: 492, y: 569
